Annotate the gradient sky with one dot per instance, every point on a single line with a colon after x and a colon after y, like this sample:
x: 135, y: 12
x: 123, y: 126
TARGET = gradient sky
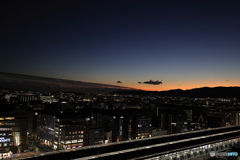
x: 187, y: 44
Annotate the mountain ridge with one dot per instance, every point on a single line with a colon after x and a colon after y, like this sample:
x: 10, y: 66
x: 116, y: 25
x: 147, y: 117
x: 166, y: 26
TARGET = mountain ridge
x: 214, y: 92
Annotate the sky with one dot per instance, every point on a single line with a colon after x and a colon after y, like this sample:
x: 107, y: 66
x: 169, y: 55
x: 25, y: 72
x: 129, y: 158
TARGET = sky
x: 186, y: 44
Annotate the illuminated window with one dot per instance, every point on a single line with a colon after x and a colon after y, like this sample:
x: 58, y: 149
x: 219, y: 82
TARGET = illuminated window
x: 74, y: 141
x: 9, y: 118
x: 7, y: 123
x: 68, y: 146
x: 1, y: 119
x: 5, y: 129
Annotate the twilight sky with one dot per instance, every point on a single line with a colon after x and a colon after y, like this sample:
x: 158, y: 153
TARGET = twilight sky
x: 186, y: 44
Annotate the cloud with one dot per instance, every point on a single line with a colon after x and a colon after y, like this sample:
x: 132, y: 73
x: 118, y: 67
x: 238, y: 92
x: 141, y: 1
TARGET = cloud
x: 119, y: 82
x: 19, y: 81
x: 153, y: 82
x: 139, y: 82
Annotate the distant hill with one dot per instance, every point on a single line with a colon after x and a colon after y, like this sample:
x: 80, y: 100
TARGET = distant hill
x: 216, y: 92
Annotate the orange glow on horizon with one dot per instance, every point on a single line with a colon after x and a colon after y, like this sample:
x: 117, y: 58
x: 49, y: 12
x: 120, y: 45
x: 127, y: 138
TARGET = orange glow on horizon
x: 167, y: 87
x: 150, y: 89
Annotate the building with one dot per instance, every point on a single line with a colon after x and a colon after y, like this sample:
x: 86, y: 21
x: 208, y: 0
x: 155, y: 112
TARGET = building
x: 213, y: 119
x: 235, y: 117
x: 13, y: 129
x: 177, y: 122
x: 69, y: 135
x: 128, y: 124
x: 32, y: 123
x: 94, y: 136
x: 45, y: 128
x: 142, y: 124
x: 113, y: 123
x: 67, y: 130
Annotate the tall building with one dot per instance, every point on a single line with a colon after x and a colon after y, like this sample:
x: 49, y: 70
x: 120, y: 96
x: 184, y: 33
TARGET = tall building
x: 177, y: 121
x: 213, y: 119
x: 235, y: 117
x: 128, y: 124
x: 142, y: 125
x: 93, y: 136
x: 113, y: 122
x: 13, y: 129
x: 61, y: 94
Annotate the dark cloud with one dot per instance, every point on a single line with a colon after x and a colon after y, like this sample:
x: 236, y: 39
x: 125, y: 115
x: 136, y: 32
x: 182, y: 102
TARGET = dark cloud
x: 119, y: 82
x: 27, y: 82
x: 139, y: 82
x: 153, y: 82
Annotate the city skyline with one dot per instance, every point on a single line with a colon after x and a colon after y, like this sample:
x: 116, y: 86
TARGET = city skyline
x: 185, y: 44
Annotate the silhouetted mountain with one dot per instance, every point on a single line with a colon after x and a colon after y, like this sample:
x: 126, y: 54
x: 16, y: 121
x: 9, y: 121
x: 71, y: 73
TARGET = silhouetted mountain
x: 216, y: 92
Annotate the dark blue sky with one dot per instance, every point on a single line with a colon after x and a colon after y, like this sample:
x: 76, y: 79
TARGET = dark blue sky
x: 187, y: 44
